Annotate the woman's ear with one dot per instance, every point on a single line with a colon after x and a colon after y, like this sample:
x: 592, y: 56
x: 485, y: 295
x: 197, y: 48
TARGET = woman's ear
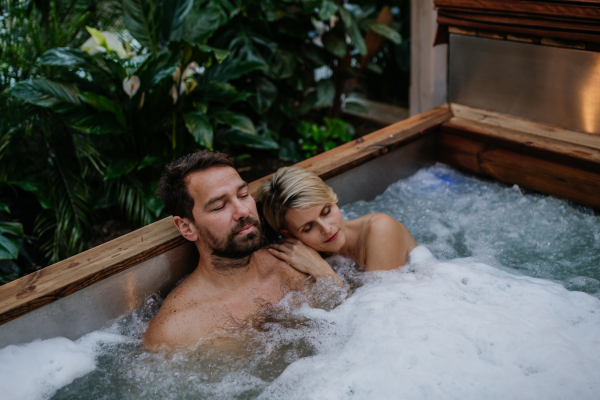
x: 285, y: 233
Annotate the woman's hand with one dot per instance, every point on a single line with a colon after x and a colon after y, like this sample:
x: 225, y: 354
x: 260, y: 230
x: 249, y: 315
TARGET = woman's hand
x: 303, y: 258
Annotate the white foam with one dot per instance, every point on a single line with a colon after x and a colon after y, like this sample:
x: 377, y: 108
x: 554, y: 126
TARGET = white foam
x: 446, y: 330
x: 38, y: 369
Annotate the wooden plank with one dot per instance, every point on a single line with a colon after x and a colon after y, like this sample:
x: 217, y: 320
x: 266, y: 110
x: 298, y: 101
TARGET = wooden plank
x: 361, y: 150
x: 526, y: 143
x: 545, y: 176
x: 68, y: 276
x: 513, y: 123
x: 516, y: 27
x: 576, y: 9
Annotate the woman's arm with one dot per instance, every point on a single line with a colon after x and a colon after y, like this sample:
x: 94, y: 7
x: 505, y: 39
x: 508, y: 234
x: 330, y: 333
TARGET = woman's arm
x: 388, y: 243
x: 303, y: 258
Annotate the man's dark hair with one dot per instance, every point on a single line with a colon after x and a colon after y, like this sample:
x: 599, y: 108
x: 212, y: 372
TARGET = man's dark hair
x: 172, y: 186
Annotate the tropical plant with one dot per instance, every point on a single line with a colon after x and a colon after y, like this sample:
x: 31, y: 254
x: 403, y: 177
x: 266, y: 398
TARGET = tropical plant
x: 108, y: 116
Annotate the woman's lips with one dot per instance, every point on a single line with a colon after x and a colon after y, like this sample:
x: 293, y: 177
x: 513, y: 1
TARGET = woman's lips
x: 331, y: 239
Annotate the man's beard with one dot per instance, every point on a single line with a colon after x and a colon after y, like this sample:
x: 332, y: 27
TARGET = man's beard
x: 234, y: 252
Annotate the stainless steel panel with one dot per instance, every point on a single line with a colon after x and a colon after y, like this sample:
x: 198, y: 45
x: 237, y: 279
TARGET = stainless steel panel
x: 93, y: 307
x: 555, y: 85
x: 369, y: 180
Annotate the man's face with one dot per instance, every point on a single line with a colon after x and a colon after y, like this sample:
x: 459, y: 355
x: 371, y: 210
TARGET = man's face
x: 224, y: 212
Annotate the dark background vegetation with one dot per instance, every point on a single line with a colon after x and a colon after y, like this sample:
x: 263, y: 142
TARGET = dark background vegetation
x: 98, y: 95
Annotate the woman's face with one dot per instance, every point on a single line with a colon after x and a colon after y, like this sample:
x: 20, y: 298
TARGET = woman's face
x: 320, y: 227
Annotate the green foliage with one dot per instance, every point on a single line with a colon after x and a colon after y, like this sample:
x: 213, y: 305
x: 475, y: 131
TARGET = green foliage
x: 316, y: 139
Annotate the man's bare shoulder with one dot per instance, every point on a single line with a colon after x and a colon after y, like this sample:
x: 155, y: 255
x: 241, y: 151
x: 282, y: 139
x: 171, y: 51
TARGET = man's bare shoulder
x: 187, y: 313
x: 271, y: 264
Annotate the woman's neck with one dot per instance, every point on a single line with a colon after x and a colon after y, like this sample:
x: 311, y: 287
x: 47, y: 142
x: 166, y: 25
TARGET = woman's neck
x: 352, y: 234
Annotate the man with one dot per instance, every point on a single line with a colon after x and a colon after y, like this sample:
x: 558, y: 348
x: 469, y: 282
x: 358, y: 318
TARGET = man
x: 235, y: 277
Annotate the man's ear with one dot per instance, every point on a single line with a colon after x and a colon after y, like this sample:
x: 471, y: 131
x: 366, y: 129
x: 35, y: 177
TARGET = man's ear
x: 285, y: 233
x: 185, y: 227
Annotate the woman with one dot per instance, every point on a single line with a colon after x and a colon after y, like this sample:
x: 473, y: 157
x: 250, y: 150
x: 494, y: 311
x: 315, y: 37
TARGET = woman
x: 300, y: 206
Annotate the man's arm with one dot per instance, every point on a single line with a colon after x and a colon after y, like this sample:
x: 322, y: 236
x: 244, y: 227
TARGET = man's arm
x: 388, y: 244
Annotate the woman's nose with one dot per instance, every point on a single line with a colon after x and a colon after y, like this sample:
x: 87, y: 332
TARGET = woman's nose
x: 326, y: 229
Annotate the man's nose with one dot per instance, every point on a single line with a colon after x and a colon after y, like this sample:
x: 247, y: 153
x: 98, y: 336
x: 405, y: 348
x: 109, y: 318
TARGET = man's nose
x: 241, y: 211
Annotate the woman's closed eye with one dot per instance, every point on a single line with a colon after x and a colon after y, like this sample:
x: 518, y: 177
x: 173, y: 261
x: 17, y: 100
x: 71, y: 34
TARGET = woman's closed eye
x: 307, y: 228
x: 326, y: 210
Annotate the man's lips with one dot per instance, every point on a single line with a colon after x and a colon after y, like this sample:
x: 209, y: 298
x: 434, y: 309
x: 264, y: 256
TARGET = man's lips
x: 331, y: 239
x: 246, y: 230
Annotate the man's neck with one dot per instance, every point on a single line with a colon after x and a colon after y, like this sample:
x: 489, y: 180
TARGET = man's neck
x: 224, y: 272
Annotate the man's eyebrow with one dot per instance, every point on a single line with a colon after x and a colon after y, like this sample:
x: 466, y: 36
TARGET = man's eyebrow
x: 221, y: 197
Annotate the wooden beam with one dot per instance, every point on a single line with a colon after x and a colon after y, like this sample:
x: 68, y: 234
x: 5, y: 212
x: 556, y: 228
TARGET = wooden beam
x: 68, y: 276
x: 545, y: 141
x: 489, y: 159
x: 73, y: 274
x: 357, y: 152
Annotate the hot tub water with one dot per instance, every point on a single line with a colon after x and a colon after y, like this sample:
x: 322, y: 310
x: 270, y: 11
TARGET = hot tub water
x: 477, y: 322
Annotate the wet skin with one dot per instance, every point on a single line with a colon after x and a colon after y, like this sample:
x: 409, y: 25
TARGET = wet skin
x: 374, y: 241
x: 212, y: 301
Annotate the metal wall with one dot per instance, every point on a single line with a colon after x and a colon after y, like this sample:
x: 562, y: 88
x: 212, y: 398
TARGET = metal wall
x: 555, y: 85
x: 93, y: 307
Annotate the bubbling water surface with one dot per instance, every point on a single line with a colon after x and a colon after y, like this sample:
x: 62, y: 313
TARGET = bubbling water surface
x: 477, y: 321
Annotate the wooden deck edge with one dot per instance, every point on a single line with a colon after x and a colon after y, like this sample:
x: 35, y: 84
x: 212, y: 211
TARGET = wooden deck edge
x: 357, y: 152
x: 59, y: 280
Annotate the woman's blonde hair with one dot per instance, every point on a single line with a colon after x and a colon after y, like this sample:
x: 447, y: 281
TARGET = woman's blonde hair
x: 291, y: 187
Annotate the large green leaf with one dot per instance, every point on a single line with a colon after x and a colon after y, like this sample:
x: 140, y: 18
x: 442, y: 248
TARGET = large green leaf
x: 11, y: 228
x: 288, y: 150
x: 327, y: 10
x: 61, y: 97
x: 142, y: 21
x: 4, y: 207
x: 230, y: 69
x: 334, y: 44
x: 120, y: 167
x: 102, y: 103
x: 39, y: 190
x: 346, y: 17
x: 266, y: 93
x: 387, y: 32
x: 354, y: 106
x: 220, y: 54
x: 156, y: 68
x: 173, y: 14
x: 325, y: 93
x: 200, y: 24
x: 224, y: 93
x: 235, y: 120
x: 64, y: 56
x: 309, y: 101
x: 9, y: 248
x: 101, y: 123
x: 283, y: 64
x: 235, y: 137
x: 353, y: 31
x: 199, y: 126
